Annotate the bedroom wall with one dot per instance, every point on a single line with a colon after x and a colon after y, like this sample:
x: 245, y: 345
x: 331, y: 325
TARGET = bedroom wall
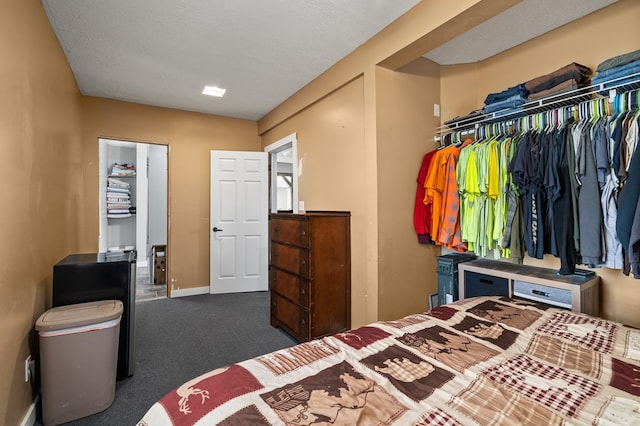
x: 190, y: 137
x: 41, y: 183
x: 426, y: 25
x: 400, y: 43
x: 336, y: 173
x: 332, y: 175
x: 588, y: 41
x: 405, y: 123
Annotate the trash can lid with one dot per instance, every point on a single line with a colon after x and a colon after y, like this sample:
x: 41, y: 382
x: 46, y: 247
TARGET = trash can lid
x: 79, y: 314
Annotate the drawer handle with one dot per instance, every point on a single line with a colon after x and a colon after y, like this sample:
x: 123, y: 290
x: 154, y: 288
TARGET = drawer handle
x: 486, y: 281
x: 541, y: 293
x: 303, y: 291
x: 304, y: 262
x: 303, y: 233
x: 303, y: 321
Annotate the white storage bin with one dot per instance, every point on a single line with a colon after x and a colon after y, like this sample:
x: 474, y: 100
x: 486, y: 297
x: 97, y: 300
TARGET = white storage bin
x: 78, y: 359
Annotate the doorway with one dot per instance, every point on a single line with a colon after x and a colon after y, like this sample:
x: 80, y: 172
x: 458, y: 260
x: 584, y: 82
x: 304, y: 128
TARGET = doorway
x: 239, y: 222
x: 133, y: 209
x: 283, y: 177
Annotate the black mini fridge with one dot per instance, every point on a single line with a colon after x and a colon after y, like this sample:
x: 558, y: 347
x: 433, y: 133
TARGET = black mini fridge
x: 91, y: 277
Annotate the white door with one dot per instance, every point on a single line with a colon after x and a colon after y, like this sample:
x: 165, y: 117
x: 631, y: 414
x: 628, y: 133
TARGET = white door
x: 239, y: 222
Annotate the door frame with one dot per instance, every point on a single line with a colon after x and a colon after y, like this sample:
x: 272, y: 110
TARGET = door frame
x: 102, y: 179
x: 290, y: 141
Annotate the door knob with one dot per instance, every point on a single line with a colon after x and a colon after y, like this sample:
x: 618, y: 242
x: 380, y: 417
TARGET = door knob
x: 216, y: 229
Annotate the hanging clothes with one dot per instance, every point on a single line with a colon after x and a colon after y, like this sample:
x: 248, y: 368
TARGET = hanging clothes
x: 526, y: 175
x: 565, y: 182
x: 450, y: 230
x: 634, y: 243
x: 422, y: 212
x: 590, y: 213
x: 513, y: 201
x: 613, y: 256
x: 627, y: 204
x: 563, y: 206
x: 434, y: 187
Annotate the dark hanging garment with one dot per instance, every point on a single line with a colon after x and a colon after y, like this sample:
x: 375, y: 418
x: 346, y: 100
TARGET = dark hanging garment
x: 574, y: 188
x: 516, y: 243
x: 525, y: 176
x: 627, y: 204
x: 634, y: 244
x: 534, y: 201
x: 519, y: 174
x: 513, y: 198
x: 551, y: 188
x: 589, y: 203
x: 563, y: 204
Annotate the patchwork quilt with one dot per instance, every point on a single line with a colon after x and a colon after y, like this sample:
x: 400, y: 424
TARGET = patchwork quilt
x: 480, y: 361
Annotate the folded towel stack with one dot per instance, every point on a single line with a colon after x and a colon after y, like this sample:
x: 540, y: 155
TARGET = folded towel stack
x: 118, y: 198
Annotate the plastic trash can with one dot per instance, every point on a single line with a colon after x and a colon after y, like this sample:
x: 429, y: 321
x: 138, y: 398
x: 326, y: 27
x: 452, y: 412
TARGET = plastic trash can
x: 78, y: 359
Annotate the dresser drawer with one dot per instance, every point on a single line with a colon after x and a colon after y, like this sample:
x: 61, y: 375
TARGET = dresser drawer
x: 476, y: 284
x: 290, y: 258
x: 290, y: 231
x: 542, y: 293
x: 291, y: 316
x: 290, y: 286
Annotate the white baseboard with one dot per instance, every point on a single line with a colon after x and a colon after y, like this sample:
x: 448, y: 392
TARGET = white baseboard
x: 29, y: 418
x: 189, y: 291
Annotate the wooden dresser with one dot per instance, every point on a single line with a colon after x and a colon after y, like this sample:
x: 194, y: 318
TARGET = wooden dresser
x: 310, y: 273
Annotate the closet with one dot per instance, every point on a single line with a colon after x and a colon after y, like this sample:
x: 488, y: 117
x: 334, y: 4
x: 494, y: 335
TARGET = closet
x: 141, y: 189
x: 545, y: 178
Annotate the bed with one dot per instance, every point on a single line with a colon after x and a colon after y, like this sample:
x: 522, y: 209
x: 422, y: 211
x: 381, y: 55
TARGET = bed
x: 487, y: 360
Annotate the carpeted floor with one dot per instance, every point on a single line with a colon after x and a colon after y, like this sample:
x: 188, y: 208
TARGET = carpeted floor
x: 178, y: 339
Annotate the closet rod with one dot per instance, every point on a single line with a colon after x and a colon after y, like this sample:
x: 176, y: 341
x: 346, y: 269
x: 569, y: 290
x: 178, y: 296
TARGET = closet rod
x: 593, y: 107
x: 570, y: 98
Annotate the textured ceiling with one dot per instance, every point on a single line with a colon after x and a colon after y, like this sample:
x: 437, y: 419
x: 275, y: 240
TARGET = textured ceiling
x: 512, y: 27
x: 163, y: 52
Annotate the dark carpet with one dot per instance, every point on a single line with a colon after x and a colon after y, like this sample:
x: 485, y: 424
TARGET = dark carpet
x: 179, y: 339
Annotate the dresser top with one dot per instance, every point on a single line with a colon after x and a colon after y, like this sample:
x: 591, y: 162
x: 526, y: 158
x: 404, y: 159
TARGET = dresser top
x: 313, y: 213
x: 513, y: 269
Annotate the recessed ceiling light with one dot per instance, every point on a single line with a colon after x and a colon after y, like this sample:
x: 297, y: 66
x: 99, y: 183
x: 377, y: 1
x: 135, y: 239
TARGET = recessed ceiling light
x: 213, y: 91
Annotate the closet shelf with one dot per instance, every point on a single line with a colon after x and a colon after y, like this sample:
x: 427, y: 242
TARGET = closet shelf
x: 565, y: 99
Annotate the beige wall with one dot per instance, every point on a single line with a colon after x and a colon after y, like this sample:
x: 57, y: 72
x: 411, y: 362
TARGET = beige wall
x: 49, y: 135
x: 405, y: 123
x: 588, y: 41
x: 427, y: 24
x: 332, y: 173
x: 41, y: 184
x: 347, y: 131
x: 190, y: 137
x: 337, y: 166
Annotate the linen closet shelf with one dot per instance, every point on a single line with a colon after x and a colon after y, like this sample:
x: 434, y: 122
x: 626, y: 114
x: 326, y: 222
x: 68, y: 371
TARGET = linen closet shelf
x: 551, y: 102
